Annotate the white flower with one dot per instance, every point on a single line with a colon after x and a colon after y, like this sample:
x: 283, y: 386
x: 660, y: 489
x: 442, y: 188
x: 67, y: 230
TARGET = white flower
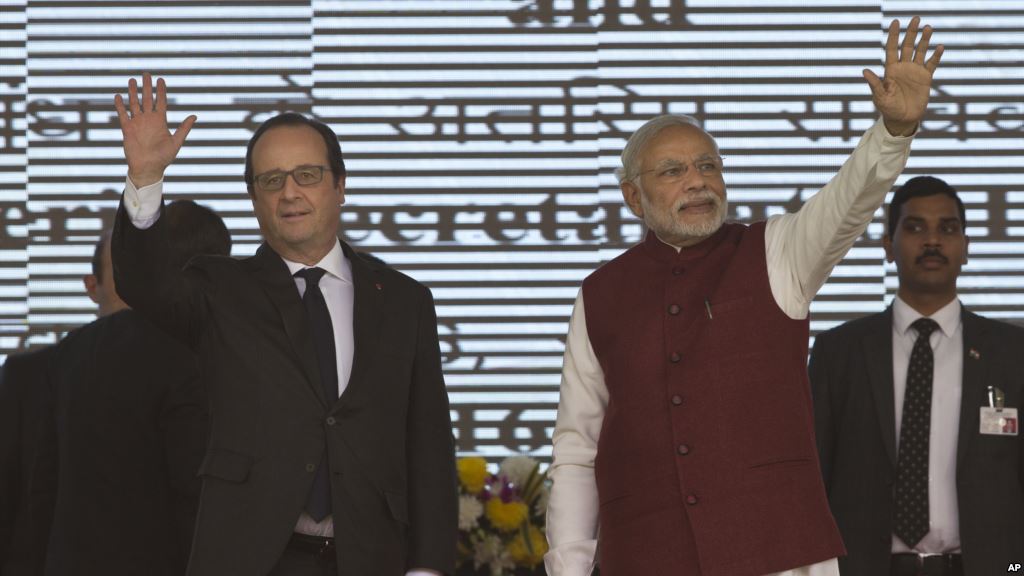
x: 470, y: 510
x: 517, y: 469
x: 489, y: 551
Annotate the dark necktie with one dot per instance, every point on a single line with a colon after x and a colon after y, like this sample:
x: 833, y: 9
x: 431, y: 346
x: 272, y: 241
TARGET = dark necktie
x: 319, y: 503
x: 911, y: 494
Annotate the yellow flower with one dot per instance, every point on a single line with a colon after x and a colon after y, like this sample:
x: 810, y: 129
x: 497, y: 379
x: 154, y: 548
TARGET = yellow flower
x: 506, y: 517
x: 522, y: 555
x: 472, y: 474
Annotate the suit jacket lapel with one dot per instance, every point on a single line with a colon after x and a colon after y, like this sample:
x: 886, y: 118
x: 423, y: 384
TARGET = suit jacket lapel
x: 367, y: 309
x: 974, y: 385
x: 877, y: 347
x: 272, y: 273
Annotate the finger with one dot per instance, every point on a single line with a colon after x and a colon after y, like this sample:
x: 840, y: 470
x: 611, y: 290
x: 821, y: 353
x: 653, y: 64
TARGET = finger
x: 874, y: 82
x: 122, y: 114
x: 933, y: 62
x: 182, y: 132
x: 147, y: 92
x: 922, y: 46
x: 133, y: 96
x: 891, y: 41
x: 907, y: 52
x: 161, y: 95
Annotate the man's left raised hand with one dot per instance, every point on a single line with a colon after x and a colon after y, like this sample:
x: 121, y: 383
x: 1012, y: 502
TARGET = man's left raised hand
x: 902, y: 96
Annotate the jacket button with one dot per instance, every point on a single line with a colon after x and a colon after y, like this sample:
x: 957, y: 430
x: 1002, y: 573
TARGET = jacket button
x: 677, y: 271
x: 691, y: 500
x: 310, y: 467
x: 675, y: 357
x: 683, y: 449
x: 331, y: 421
x: 673, y: 309
x: 677, y: 400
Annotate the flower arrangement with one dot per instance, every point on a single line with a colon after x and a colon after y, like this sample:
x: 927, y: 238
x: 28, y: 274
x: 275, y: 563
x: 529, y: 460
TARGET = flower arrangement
x: 501, y: 517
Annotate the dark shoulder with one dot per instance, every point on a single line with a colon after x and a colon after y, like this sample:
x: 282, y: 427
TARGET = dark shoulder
x: 28, y: 363
x: 87, y: 332
x: 211, y: 262
x: 617, y: 267
x: 854, y: 329
x: 1004, y: 331
x: 384, y: 275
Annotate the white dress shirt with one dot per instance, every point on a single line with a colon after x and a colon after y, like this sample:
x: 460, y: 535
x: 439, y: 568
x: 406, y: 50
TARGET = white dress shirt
x: 801, y: 249
x: 143, y: 207
x: 948, y: 346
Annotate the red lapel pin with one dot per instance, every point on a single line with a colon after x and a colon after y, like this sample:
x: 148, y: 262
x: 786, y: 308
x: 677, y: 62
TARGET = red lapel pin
x: 379, y: 286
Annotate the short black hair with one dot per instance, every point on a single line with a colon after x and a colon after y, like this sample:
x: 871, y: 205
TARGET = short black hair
x: 334, y: 158
x: 917, y: 187
x: 97, y: 256
x: 193, y: 230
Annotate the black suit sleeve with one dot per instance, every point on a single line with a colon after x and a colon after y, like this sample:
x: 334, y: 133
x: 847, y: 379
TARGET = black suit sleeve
x: 169, y: 298
x: 433, y: 500
x: 824, y: 429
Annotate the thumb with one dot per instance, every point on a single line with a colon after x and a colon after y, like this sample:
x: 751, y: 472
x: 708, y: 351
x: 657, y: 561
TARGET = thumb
x: 183, y: 129
x: 874, y: 82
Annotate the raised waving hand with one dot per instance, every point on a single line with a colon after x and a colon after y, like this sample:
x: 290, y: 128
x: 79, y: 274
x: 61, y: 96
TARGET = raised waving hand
x: 149, y: 147
x: 902, y: 95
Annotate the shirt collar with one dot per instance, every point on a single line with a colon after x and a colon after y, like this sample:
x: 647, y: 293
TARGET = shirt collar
x: 664, y: 252
x: 334, y: 263
x: 947, y: 317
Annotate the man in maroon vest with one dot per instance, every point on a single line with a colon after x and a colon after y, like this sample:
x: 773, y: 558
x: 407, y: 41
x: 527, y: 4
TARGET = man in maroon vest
x: 685, y: 428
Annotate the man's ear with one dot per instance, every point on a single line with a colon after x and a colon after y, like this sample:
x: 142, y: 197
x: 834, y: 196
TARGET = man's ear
x: 967, y: 246
x: 631, y: 194
x: 341, y: 191
x: 887, y: 244
x: 91, y: 282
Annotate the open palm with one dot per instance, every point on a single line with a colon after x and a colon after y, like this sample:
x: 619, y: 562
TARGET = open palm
x: 149, y: 147
x: 902, y: 96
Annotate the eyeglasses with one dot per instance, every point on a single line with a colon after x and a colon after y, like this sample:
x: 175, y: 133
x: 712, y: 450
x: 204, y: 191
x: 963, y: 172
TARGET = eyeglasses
x: 303, y: 175
x: 673, y: 171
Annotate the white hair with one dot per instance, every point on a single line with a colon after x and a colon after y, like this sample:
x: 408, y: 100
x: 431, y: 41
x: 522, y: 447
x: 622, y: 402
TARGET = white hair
x: 638, y: 141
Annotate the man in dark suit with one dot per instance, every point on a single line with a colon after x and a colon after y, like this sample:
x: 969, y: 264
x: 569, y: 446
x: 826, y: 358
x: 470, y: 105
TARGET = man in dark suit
x: 916, y: 412
x: 27, y: 477
x: 24, y: 519
x: 129, y: 428
x: 331, y: 449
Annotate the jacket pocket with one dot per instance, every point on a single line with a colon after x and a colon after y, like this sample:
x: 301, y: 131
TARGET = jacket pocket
x: 226, y: 465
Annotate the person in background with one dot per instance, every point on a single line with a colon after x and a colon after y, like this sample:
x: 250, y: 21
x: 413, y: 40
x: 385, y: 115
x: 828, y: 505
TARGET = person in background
x: 26, y: 489
x: 128, y: 419
x: 916, y: 412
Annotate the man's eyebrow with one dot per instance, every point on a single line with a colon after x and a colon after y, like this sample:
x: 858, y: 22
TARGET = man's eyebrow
x: 667, y: 162
x: 664, y: 162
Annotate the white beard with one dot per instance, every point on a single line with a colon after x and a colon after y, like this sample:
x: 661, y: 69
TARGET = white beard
x: 670, y: 230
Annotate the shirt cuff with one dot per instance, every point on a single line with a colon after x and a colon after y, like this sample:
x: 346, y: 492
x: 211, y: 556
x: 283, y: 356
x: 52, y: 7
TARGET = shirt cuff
x: 899, y: 138
x: 143, y: 204
x: 572, y: 559
x: 423, y: 572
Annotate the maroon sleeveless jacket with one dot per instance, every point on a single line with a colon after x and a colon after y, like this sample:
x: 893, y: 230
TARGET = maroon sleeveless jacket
x: 706, y: 463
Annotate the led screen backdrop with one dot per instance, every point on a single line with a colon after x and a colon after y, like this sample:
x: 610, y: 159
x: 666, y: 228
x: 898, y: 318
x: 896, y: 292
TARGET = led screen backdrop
x: 481, y: 138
